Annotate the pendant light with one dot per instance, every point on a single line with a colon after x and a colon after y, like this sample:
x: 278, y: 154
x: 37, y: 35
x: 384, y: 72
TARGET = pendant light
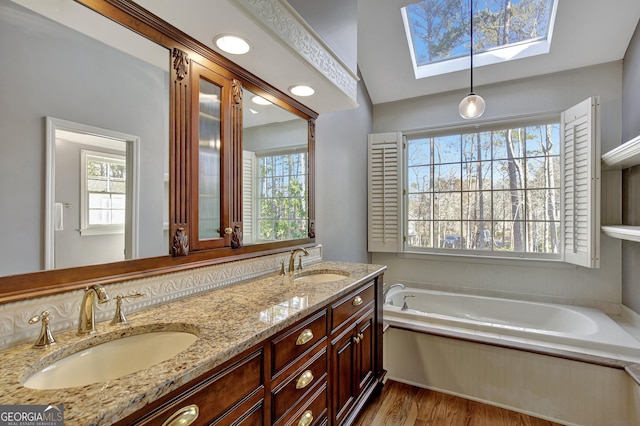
x: 472, y: 106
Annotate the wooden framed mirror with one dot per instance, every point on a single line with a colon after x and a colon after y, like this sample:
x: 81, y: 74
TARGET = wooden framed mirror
x: 171, y: 174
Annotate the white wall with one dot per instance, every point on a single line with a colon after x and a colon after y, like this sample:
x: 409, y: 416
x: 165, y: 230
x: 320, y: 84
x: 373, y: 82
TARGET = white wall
x: 341, y: 181
x: 532, y: 280
x: 631, y: 214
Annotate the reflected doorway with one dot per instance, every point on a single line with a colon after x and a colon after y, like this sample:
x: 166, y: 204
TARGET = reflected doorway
x: 91, y: 195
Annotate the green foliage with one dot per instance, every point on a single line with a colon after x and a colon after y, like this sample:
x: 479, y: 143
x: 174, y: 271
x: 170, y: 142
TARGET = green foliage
x: 283, y: 207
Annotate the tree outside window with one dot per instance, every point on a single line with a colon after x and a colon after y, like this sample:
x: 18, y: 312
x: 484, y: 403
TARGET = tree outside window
x: 495, y: 190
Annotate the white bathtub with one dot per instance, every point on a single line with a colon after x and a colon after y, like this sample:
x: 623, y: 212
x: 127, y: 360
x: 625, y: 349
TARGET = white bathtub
x: 583, y: 330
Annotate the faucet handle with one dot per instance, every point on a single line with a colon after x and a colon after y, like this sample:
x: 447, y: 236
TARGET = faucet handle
x: 282, y: 268
x: 404, y: 300
x: 45, y: 338
x: 119, y: 317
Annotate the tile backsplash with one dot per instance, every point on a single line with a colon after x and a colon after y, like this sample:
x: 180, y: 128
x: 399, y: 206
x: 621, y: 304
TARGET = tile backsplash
x: 64, y: 308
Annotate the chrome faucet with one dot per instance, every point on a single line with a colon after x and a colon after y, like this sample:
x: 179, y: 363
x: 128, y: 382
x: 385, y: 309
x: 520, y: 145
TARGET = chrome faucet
x: 87, y: 321
x: 386, y: 291
x: 292, y: 259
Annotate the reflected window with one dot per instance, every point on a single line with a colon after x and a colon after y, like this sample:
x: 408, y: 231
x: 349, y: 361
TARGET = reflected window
x: 103, y: 193
x: 282, y: 196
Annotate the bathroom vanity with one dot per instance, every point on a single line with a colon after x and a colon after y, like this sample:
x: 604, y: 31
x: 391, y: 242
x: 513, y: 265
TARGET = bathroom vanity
x: 270, y: 350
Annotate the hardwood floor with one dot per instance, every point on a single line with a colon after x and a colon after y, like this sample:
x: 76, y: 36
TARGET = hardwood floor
x: 404, y: 405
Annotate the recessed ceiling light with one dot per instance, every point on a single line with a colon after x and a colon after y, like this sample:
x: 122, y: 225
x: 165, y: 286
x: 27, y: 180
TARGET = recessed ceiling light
x: 233, y: 44
x: 301, y: 90
x: 259, y: 100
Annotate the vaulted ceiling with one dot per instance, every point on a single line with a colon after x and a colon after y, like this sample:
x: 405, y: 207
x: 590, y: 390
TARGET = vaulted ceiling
x: 587, y: 32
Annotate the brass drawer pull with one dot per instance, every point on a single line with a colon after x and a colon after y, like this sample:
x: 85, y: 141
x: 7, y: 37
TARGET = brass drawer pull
x: 183, y: 417
x: 357, y: 301
x: 304, y: 379
x: 304, y: 337
x: 306, y: 418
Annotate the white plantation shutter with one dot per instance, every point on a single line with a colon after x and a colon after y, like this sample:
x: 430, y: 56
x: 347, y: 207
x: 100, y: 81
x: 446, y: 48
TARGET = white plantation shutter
x: 580, y: 135
x: 248, y: 189
x: 385, y: 192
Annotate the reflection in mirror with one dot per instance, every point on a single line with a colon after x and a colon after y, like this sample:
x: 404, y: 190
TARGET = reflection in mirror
x: 275, y: 172
x: 92, y: 180
x: 209, y: 159
x: 56, y: 71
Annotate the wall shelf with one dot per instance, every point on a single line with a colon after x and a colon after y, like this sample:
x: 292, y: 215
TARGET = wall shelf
x: 623, y: 232
x: 622, y: 157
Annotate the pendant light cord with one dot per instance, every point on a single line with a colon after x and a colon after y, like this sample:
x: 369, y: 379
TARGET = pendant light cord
x: 471, y: 37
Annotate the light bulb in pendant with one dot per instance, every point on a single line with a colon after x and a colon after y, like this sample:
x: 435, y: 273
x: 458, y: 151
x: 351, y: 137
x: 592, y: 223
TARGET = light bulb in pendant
x: 472, y: 106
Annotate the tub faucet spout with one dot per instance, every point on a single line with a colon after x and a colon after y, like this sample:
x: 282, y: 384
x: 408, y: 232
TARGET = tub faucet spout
x: 386, y: 291
x: 87, y: 320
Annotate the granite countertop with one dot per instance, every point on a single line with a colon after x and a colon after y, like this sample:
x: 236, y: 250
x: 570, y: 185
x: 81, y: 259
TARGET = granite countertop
x: 227, y: 321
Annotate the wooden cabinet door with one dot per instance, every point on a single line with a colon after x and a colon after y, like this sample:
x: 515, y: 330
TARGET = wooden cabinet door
x: 365, y: 350
x: 343, y: 355
x: 210, y: 159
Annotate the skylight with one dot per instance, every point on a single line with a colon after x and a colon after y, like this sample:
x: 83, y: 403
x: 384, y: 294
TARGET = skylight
x: 503, y: 30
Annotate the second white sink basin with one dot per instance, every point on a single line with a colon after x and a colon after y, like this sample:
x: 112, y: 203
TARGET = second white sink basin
x: 111, y: 359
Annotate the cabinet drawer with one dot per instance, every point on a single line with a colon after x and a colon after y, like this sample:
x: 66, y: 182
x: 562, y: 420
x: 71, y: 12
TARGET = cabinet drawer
x: 311, y: 413
x: 350, y: 305
x: 215, y: 395
x: 294, y: 342
x: 299, y: 384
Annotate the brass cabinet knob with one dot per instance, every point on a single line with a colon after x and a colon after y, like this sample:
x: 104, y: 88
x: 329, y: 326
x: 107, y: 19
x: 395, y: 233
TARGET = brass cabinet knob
x: 304, y: 337
x: 357, y: 301
x: 228, y: 231
x: 183, y: 417
x: 304, y: 379
x: 306, y: 418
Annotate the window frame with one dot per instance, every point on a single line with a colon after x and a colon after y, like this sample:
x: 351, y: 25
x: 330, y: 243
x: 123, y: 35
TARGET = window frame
x: 535, y: 46
x: 550, y: 119
x: 86, y: 228
x: 256, y: 219
x: 580, y: 200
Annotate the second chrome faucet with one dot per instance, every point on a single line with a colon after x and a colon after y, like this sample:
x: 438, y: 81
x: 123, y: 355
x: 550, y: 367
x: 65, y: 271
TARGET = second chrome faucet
x: 292, y: 259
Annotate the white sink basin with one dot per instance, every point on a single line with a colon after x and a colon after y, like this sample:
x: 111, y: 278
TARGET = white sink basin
x: 110, y: 360
x: 321, y: 277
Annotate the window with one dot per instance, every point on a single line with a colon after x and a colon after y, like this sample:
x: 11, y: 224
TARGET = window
x: 530, y: 190
x: 438, y: 32
x: 103, y: 195
x: 280, y: 195
x: 495, y: 190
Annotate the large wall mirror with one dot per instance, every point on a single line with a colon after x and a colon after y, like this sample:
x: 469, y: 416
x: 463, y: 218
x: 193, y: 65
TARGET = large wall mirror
x: 108, y: 104
x: 60, y: 77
